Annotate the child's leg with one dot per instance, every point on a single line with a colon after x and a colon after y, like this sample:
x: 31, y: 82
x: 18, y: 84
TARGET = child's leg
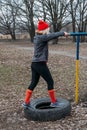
x: 28, y: 96
x: 34, y: 81
x: 52, y: 95
x: 45, y: 73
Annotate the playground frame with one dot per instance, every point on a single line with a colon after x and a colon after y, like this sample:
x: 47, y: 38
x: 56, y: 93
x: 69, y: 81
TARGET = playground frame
x: 77, y: 34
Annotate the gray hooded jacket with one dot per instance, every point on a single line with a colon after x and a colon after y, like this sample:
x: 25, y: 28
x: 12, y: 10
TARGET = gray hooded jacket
x: 41, y: 46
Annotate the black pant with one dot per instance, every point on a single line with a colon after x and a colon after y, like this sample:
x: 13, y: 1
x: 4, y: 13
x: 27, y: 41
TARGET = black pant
x: 40, y: 69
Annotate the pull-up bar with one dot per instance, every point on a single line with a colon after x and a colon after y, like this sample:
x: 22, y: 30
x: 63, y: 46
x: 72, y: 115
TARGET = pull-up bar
x: 78, y: 34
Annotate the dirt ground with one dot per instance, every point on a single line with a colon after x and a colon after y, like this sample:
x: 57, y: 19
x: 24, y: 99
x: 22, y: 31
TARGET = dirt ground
x: 15, y: 76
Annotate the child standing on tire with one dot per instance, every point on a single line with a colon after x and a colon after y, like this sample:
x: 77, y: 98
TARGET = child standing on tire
x: 39, y: 62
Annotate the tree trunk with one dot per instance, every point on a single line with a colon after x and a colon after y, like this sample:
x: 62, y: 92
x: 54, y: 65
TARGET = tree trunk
x: 13, y: 36
x: 73, y: 26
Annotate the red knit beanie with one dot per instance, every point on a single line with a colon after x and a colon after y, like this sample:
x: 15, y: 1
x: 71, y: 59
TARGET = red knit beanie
x: 42, y: 25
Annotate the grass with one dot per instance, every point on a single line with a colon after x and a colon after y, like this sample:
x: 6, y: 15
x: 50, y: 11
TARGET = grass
x: 15, y: 76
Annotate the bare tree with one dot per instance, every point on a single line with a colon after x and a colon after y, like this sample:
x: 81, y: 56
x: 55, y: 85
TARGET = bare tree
x: 72, y: 10
x: 8, y: 18
x: 82, y: 14
x: 26, y: 19
x: 78, y: 11
x: 23, y: 15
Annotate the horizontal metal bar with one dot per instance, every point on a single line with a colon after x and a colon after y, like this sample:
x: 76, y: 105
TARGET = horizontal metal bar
x: 77, y: 33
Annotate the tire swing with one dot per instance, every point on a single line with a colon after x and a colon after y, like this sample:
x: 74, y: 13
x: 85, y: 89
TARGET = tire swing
x: 40, y: 110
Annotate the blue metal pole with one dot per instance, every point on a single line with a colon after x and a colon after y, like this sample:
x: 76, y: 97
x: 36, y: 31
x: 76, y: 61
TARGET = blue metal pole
x: 77, y: 33
x: 77, y: 47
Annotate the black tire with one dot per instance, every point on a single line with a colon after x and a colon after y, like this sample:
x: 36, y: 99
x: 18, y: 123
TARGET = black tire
x: 40, y: 110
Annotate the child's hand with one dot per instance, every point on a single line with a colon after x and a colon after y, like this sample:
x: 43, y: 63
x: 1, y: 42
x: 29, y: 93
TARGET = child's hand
x: 66, y: 34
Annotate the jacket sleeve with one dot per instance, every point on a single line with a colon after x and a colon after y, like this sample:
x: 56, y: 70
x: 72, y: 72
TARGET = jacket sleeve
x: 51, y: 36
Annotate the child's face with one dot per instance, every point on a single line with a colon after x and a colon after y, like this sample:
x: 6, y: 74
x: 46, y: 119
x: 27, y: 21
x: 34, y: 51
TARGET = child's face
x: 46, y: 31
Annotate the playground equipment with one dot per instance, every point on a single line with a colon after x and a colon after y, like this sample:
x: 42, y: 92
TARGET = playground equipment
x: 77, y: 34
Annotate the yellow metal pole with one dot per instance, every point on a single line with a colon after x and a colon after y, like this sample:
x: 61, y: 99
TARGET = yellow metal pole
x: 78, y: 34
x: 77, y: 71
x: 77, y: 82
